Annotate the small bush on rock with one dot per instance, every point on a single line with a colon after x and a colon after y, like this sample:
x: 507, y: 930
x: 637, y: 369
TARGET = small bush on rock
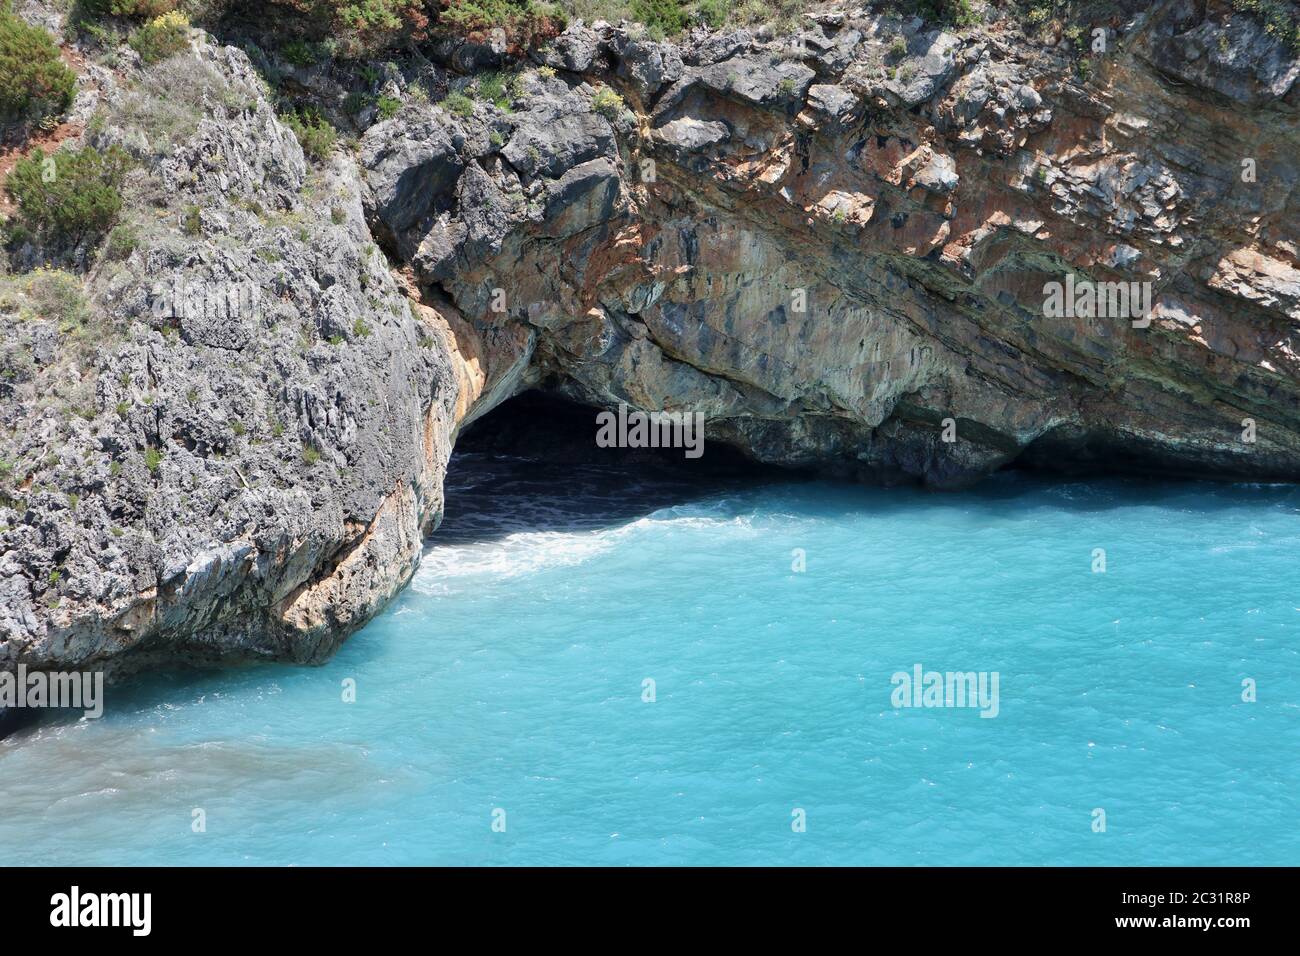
x: 521, y: 19
x: 69, y: 195
x: 161, y: 37
x: 663, y: 17
x: 607, y: 103
x: 458, y: 103
x: 314, y: 132
x: 139, y: 9
x: 34, y: 82
x: 299, y: 53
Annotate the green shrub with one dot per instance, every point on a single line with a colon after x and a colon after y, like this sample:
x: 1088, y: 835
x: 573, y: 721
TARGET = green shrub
x: 161, y: 37
x: 310, y: 455
x: 491, y: 88
x: 71, y: 194
x: 663, y: 17
x: 299, y: 53
x: 34, y: 82
x: 500, y: 89
x: 140, y: 9
x: 607, y: 103
x: 519, y: 18
x: 956, y: 13
x: 374, y: 16
x: 713, y: 13
x: 387, y: 107
x: 144, y: 9
x: 122, y: 242
x: 458, y: 103
x: 356, y: 27
x: 315, y: 134
x: 152, y: 459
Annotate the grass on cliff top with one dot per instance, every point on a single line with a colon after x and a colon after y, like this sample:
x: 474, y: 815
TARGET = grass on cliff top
x: 166, y: 102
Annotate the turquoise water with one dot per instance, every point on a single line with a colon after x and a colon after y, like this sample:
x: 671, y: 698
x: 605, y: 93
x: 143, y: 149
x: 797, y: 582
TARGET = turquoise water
x: 510, y: 675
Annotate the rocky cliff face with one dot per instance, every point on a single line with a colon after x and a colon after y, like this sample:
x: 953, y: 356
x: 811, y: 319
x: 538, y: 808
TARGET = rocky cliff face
x: 835, y: 245
x: 239, y: 458
x: 830, y: 243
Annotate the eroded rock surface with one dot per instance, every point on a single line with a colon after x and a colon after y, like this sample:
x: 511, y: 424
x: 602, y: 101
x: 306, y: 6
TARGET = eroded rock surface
x: 241, y: 458
x: 830, y: 244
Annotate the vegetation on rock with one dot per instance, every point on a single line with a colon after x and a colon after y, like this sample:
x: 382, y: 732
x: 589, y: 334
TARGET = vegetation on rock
x: 315, y: 134
x: 34, y: 81
x: 161, y: 37
x: 67, y: 195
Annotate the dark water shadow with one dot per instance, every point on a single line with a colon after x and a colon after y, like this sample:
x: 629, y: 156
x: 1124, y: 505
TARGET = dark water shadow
x: 532, y: 465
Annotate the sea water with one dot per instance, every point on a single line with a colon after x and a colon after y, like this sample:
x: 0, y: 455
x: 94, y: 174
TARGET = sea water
x: 588, y: 670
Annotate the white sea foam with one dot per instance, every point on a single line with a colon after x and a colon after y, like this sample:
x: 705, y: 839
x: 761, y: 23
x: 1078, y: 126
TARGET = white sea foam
x: 508, y: 557
x: 530, y: 552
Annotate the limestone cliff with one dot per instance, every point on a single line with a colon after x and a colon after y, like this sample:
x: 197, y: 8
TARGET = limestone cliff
x: 835, y: 244
x: 235, y: 450
x: 834, y: 241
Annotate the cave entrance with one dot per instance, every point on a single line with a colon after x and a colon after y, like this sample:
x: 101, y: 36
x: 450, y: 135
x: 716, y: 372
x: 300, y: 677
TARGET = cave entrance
x: 533, y: 464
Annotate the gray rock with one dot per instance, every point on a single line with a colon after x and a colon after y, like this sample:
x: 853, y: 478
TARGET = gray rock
x: 706, y: 47
x: 574, y: 50
x: 547, y: 143
x: 919, y: 78
x: 1238, y: 59
x: 759, y: 81
x: 938, y: 176
x: 833, y: 102
x: 692, y: 135
x: 411, y: 168
x: 234, y: 485
x: 583, y: 197
x: 648, y: 66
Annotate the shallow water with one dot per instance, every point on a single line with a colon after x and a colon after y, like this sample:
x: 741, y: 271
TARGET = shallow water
x: 510, y: 675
